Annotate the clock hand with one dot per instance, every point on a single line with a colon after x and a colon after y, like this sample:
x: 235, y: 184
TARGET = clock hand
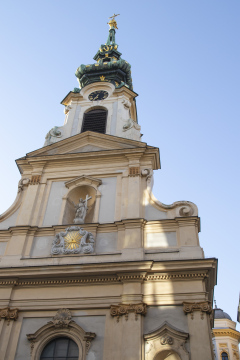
x: 96, y: 97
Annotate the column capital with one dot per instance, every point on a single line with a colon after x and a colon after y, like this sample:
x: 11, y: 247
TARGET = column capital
x: 124, y: 309
x: 203, y: 307
x: 8, y: 314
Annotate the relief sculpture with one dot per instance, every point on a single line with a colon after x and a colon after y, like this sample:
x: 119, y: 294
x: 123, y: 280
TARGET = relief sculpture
x: 73, y: 240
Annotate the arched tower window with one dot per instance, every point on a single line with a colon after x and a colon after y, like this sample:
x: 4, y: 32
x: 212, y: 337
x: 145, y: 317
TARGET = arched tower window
x: 224, y: 356
x: 95, y: 120
x: 60, y: 348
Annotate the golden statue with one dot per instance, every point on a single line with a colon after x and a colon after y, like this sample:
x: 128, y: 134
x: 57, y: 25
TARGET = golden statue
x: 113, y: 25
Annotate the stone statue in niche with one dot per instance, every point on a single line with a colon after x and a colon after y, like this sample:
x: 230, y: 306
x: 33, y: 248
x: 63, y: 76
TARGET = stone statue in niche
x: 81, y: 210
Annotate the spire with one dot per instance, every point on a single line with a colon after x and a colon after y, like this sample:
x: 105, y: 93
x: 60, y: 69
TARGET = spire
x: 110, y: 66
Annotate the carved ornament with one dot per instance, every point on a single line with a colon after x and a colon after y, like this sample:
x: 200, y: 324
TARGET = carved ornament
x: 134, y: 171
x: 62, y: 318
x: 67, y: 109
x: 126, y: 104
x: 166, y: 340
x: 130, y: 123
x: 53, y: 133
x: 35, y: 179
x: 8, y: 314
x: 186, y: 211
x: 73, y: 240
x: 203, y: 307
x: 148, y: 174
x: 88, y: 338
x: 125, y: 309
x: 23, y: 183
x: 167, y: 337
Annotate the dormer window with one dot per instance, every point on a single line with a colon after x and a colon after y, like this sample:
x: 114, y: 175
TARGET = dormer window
x: 95, y: 120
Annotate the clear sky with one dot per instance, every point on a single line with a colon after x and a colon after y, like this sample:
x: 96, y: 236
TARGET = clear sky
x: 185, y: 57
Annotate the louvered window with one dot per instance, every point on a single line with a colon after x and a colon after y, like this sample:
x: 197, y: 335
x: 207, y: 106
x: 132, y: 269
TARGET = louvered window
x: 95, y: 120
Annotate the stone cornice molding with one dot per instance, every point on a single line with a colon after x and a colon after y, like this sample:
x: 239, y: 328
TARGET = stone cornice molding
x: 68, y: 158
x: 113, y: 278
x: 83, y: 180
x: 203, y: 307
x: 163, y: 225
x: 96, y: 138
x: 173, y: 268
x: 71, y: 96
x: 132, y: 277
x: 8, y: 314
x: 125, y: 309
x: 226, y: 332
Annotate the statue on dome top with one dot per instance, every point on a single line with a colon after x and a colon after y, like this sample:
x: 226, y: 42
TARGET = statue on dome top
x: 113, y: 25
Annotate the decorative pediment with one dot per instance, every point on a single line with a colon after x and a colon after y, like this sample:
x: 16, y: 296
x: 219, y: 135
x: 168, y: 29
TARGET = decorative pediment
x: 83, y: 180
x: 87, y: 142
x: 62, y: 324
x: 166, y: 337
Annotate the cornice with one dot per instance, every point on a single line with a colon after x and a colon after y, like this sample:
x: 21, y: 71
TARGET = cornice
x: 107, y: 156
x: 89, y: 136
x: 165, y: 224
x: 226, y: 332
x: 71, y: 96
x: 114, y: 278
x: 118, y: 272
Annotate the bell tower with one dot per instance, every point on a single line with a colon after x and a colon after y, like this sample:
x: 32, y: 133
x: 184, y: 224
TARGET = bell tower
x: 105, y: 101
x: 93, y: 266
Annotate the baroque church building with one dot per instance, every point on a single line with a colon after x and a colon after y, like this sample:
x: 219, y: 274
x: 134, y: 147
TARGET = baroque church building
x: 93, y: 266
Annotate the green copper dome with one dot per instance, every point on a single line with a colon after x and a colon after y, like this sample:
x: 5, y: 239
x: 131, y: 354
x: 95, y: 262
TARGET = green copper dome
x: 109, y: 65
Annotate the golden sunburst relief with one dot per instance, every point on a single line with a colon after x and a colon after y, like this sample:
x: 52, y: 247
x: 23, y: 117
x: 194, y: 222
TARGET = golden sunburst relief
x: 72, y: 240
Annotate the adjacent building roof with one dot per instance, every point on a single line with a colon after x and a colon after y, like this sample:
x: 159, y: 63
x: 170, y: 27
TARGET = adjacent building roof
x: 220, y: 314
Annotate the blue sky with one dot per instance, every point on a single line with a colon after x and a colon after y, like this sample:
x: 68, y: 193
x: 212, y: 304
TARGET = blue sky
x: 185, y: 57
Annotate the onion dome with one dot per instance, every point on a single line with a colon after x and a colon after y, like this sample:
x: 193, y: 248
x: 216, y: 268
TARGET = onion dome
x: 109, y: 65
x: 220, y: 314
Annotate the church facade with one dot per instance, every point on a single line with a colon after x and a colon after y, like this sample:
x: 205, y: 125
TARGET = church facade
x: 93, y: 266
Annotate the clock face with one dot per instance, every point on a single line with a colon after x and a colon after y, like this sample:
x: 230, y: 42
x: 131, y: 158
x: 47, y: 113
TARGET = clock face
x: 98, y: 95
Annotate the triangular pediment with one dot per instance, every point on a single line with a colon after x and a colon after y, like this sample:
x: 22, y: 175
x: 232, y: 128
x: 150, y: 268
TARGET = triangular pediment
x: 87, y: 142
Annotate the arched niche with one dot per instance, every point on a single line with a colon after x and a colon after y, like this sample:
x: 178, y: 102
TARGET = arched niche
x: 167, y: 354
x: 81, y: 187
x: 166, y: 342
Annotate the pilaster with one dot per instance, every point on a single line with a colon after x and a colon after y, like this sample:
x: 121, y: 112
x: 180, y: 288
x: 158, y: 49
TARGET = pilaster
x: 198, y: 315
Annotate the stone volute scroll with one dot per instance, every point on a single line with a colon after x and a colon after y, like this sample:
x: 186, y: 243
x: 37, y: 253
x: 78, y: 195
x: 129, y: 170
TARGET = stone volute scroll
x: 125, y: 309
x: 203, y: 307
x: 61, y: 325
